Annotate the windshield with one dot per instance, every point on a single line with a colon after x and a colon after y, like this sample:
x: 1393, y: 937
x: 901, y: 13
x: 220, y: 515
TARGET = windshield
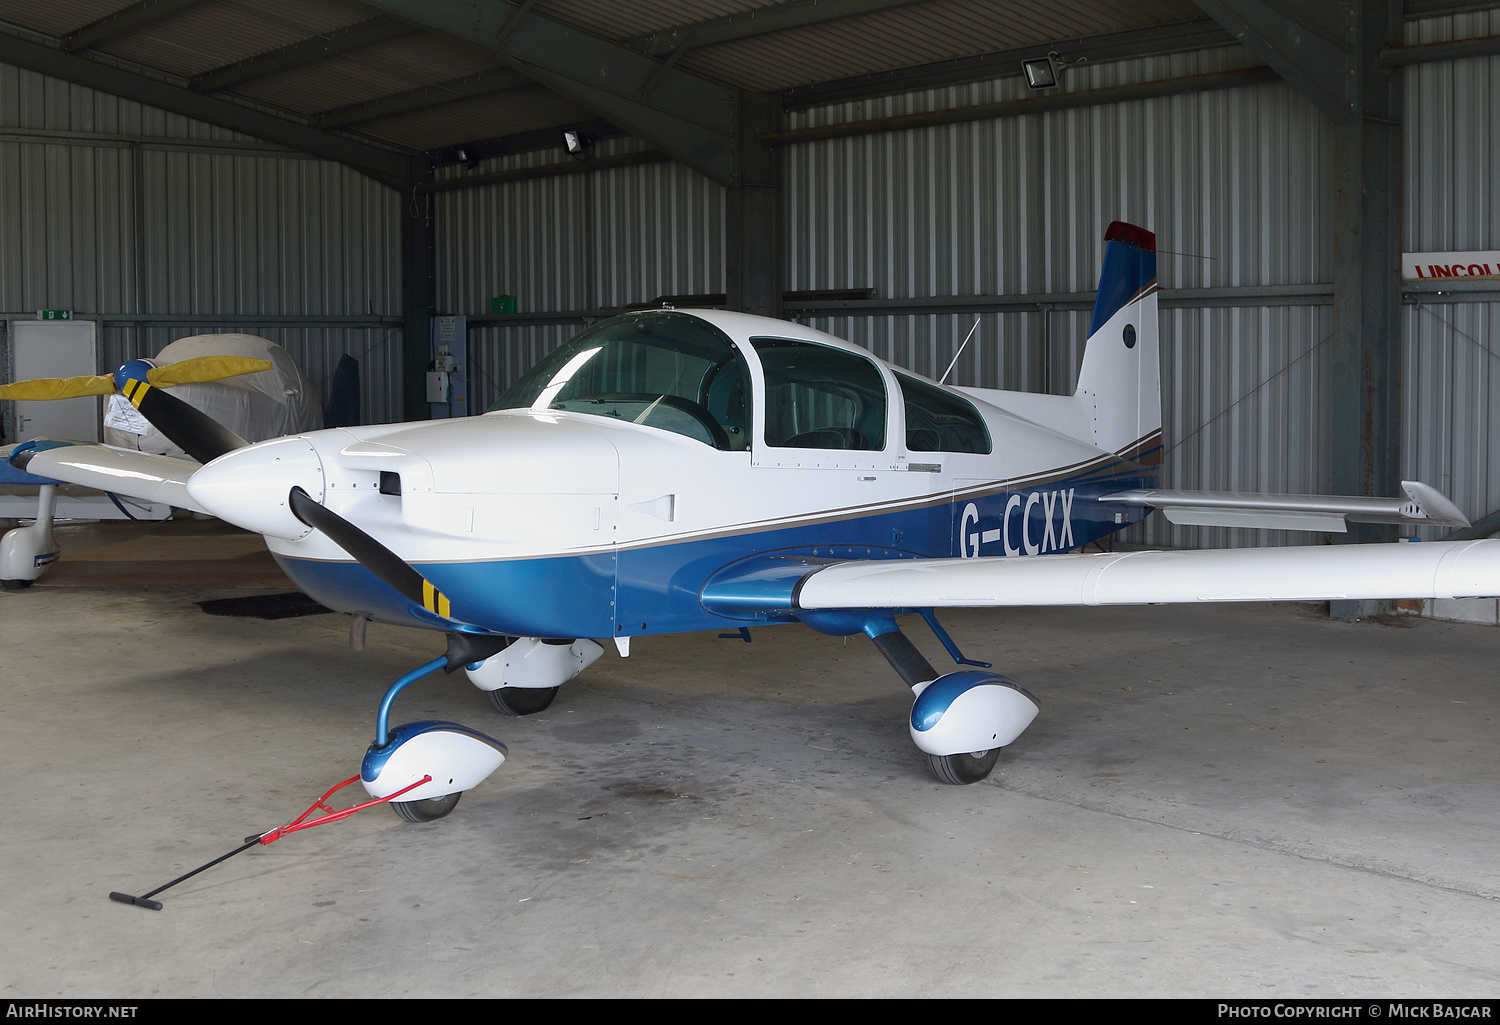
x: 657, y: 368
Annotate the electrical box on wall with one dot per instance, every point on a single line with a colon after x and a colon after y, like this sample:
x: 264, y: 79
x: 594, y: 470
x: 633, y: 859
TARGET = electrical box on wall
x: 448, y: 371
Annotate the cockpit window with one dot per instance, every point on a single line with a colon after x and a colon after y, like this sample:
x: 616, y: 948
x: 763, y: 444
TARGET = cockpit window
x: 657, y: 368
x: 821, y: 397
x: 939, y: 421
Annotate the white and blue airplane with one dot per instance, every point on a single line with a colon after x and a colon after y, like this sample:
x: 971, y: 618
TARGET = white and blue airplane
x: 676, y: 470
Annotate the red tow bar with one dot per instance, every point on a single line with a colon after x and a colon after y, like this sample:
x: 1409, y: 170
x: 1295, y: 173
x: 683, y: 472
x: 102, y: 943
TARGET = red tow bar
x: 321, y: 804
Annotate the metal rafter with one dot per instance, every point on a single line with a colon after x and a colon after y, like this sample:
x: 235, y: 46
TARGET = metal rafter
x: 390, y: 167
x: 797, y: 14
x: 521, y: 142
x: 688, y: 116
x: 299, y: 54
x: 122, y: 22
x: 1313, y: 47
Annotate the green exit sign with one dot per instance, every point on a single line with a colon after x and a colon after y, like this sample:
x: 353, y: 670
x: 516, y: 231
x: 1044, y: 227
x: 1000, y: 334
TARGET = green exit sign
x: 54, y: 314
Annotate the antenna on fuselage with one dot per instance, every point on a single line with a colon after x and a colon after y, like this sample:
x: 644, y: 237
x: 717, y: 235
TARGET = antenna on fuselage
x: 960, y: 352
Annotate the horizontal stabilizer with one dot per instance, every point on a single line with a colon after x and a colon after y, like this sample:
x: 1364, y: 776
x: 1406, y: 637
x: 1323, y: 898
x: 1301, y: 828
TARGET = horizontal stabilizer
x: 1433, y: 569
x: 121, y: 471
x: 1423, y: 505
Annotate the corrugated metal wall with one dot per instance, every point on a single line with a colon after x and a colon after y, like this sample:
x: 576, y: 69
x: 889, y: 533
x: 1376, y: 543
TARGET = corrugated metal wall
x: 1452, y: 408
x: 1235, y: 183
x: 572, y: 242
x: 117, y: 210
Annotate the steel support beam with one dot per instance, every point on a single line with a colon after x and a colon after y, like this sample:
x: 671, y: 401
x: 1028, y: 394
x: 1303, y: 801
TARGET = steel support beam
x: 521, y: 174
x: 418, y: 292
x: 1458, y: 49
x: 753, y: 214
x: 1367, y: 169
x: 1235, y: 79
x: 123, y: 22
x: 759, y: 22
x: 680, y: 113
x: 1331, y: 53
x: 296, y: 55
x: 1309, y: 45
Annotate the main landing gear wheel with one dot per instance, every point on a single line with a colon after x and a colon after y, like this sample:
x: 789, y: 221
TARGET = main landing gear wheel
x: 426, y: 811
x: 962, y: 769
x: 522, y: 700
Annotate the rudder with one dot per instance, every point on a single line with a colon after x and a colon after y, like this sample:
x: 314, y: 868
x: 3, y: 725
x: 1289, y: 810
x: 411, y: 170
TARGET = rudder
x: 1120, y: 379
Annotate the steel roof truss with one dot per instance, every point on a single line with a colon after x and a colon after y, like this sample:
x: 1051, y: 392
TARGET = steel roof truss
x: 689, y: 117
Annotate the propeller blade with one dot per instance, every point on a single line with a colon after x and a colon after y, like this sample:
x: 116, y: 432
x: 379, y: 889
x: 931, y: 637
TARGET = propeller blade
x: 206, y: 368
x: 369, y: 553
x: 190, y: 429
x: 47, y: 388
x: 188, y: 371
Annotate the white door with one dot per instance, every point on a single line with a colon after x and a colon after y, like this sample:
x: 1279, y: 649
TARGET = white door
x: 50, y: 348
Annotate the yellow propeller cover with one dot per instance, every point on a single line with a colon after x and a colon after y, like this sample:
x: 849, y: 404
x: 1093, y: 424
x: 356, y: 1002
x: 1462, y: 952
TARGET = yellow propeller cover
x: 188, y: 371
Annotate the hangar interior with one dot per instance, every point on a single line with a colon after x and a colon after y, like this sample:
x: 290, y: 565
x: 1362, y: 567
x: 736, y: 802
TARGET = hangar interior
x: 332, y: 174
x: 335, y: 174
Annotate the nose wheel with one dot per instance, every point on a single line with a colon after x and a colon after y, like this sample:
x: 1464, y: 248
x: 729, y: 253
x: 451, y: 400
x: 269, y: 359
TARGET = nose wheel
x: 429, y: 763
x: 516, y: 701
x: 426, y: 811
x: 963, y: 769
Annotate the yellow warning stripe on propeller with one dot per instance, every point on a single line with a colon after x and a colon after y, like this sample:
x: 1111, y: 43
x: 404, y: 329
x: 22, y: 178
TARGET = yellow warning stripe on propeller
x: 434, y: 600
x: 135, y: 391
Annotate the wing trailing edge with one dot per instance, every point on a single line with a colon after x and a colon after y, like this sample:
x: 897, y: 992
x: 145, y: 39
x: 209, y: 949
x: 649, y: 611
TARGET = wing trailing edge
x: 1423, y: 505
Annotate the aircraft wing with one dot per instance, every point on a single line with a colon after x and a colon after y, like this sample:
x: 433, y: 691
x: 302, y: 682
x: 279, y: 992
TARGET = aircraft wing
x: 1433, y: 569
x: 1423, y: 505
x: 122, y: 471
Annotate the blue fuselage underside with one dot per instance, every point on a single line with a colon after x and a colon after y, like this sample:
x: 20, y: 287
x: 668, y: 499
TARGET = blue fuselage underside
x: 655, y: 589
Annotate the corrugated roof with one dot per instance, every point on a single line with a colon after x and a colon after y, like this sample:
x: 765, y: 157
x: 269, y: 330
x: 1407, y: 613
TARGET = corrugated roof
x: 922, y: 33
x: 825, y: 40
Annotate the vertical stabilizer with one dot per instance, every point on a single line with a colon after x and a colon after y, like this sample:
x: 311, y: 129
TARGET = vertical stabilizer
x: 1120, y: 380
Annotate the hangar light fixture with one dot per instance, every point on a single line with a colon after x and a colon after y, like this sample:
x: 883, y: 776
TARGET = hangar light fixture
x: 577, y: 143
x: 1041, y: 72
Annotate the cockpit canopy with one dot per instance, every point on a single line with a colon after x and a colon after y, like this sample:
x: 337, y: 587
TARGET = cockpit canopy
x: 679, y: 373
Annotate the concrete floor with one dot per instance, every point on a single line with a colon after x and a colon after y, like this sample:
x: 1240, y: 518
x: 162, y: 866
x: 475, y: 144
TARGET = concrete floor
x: 1246, y: 801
